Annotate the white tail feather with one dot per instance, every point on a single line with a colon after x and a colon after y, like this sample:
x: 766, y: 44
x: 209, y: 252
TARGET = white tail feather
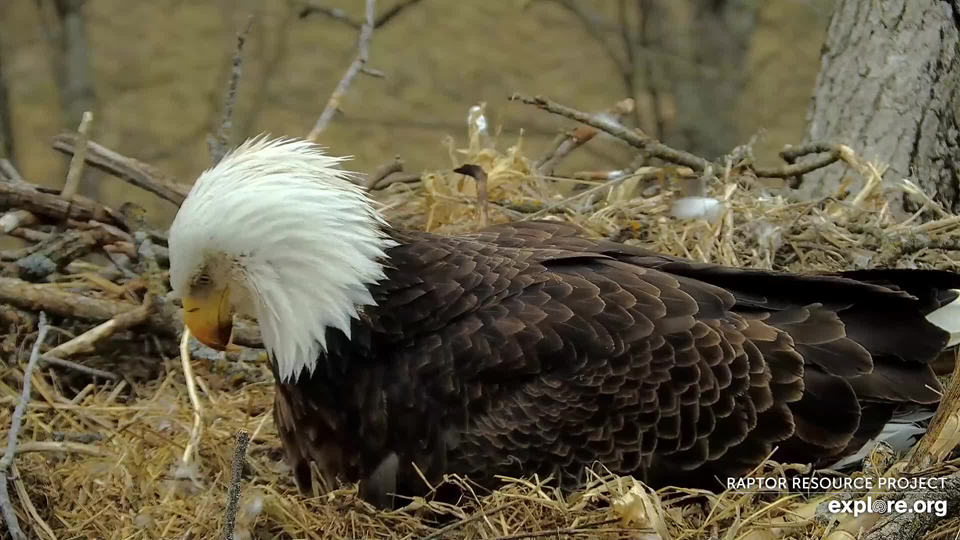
x: 948, y: 318
x: 901, y: 433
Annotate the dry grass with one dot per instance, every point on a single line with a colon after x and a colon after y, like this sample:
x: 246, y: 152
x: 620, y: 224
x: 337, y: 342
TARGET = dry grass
x: 126, y: 480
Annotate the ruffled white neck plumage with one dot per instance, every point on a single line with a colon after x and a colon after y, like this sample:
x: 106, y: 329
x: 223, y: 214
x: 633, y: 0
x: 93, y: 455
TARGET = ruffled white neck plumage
x: 297, y: 241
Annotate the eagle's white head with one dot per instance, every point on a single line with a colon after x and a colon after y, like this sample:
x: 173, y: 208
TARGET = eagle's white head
x: 278, y: 232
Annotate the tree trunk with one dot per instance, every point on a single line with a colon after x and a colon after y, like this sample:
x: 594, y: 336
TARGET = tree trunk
x: 888, y: 89
x: 707, y: 90
x: 75, y: 78
x: 6, y: 123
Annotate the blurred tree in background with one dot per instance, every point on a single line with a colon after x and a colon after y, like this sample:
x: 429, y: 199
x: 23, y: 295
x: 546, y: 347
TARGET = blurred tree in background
x: 707, y: 75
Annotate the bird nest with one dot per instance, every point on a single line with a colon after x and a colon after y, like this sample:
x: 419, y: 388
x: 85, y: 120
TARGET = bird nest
x: 117, y: 441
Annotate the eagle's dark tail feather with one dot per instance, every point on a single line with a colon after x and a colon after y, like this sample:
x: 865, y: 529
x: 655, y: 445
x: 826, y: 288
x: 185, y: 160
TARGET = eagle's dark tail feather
x: 868, y: 339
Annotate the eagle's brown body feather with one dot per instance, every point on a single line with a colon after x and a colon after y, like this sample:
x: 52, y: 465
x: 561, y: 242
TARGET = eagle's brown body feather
x: 527, y: 348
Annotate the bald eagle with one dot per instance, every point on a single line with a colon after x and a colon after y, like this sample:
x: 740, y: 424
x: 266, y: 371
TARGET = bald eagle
x: 530, y: 348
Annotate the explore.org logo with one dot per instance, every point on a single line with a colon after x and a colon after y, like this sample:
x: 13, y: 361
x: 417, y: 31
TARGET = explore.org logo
x: 869, y: 505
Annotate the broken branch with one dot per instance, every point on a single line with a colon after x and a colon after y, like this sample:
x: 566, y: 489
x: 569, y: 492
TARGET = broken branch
x: 75, y: 173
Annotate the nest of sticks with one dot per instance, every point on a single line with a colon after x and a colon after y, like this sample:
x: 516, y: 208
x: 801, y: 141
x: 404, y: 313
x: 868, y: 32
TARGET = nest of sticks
x: 127, y: 431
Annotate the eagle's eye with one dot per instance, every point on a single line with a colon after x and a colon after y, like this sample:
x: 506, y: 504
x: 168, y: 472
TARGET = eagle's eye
x: 202, y: 279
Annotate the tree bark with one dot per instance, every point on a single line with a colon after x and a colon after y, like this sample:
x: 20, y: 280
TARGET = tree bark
x: 888, y: 88
x: 707, y: 90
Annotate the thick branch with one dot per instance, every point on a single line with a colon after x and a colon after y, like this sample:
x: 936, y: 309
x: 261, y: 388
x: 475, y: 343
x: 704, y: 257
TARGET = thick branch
x: 27, y: 197
x: 63, y: 303
x: 128, y: 169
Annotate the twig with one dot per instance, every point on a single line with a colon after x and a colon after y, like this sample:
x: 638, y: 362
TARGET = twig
x: 27, y: 504
x: 341, y: 16
x: 481, y: 514
x: 644, y: 173
x: 87, y: 341
x: 383, y: 171
x: 333, y: 104
x: 128, y: 169
x: 79, y: 161
x: 11, y: 172
x: 236, y: 474
x: 586, y: 528
x: 659, y: 150
x: 194, y: 398
x: 388, y: 15
x: 795, y: 171
x: 480, y: 176
x: 633, y: 137
x: 83, y: 438
x: 398, y: 178
x: 565, y: 144
x: 336, y: 14
x: 9, y: 515
x: 68, y: 447
x: 220, y: 144
x: 80, y: 368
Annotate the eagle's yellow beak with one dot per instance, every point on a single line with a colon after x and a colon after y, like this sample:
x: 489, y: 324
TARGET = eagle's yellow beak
x: 209, y: 318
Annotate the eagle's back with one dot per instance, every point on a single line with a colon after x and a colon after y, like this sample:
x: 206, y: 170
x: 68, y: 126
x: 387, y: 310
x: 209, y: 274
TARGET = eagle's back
x: 528, y: 348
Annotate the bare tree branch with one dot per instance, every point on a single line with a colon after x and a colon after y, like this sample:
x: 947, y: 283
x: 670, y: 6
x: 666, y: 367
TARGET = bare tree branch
x: 333, y: 104
x: 565, y: 144
x: 340, y: 15
x: 220, y: 144
x: 633, y: 137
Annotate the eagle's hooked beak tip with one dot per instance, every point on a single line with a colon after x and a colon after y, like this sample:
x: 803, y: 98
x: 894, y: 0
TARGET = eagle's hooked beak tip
x: 209, y: 320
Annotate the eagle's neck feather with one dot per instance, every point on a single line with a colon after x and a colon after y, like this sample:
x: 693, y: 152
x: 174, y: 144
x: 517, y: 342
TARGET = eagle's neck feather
x: 302, y: 243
